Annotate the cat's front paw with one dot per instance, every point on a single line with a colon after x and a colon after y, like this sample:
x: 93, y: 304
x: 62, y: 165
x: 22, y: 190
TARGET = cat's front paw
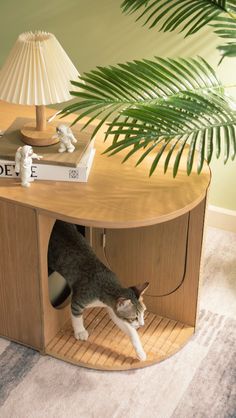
x: 142, y: 356
x: 82, y: 335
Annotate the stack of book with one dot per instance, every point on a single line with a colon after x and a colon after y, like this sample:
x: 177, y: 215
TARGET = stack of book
x: 56, y: 166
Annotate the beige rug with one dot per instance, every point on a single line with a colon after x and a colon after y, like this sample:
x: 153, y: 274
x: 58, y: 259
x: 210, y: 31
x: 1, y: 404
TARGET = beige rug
x: 199, y: 381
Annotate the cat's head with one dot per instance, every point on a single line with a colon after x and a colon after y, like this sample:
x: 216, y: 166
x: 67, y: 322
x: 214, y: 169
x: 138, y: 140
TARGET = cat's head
x: 131, y: 309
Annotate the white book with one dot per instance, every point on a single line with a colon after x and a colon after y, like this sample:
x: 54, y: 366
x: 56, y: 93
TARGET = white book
x: 80, y: 173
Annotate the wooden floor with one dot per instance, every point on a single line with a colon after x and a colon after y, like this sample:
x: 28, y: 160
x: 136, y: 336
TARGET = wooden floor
x: 107, y: 348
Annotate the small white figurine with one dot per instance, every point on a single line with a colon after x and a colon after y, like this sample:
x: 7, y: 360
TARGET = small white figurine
x: 23, y: 160
x: 66, y: 137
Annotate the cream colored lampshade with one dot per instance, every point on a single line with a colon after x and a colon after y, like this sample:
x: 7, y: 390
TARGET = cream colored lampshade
x: 37, y: 72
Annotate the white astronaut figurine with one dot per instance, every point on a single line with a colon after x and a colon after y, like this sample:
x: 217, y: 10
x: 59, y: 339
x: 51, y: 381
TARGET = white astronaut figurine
x: 66, y: 137
x: 23, y: 162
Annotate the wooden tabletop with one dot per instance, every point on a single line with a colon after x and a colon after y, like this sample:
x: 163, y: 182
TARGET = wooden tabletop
x: 115, y: 196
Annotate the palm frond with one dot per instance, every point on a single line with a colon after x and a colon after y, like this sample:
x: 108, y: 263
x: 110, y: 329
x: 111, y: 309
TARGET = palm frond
x: 188, y: 15
x: 108, y: 90
x: 225, y: 27
x: 154, y: 103
x: 199, y: 122
x: 228, y: 50
x: 231, y: 7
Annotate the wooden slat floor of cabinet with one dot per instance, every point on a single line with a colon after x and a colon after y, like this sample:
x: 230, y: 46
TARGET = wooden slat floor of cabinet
x: 107, y: 348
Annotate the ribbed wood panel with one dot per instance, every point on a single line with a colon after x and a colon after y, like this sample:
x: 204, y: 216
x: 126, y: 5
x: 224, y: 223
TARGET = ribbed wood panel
x: 110, y: 349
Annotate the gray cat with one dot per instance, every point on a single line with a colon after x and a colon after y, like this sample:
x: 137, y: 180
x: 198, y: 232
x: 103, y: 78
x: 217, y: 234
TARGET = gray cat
x: 93, y: 284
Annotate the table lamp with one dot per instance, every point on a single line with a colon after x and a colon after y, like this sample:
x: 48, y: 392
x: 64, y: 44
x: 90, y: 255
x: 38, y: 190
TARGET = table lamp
x: 37, y: 72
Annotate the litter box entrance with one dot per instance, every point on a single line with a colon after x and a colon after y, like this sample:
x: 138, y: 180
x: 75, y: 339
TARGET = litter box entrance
x: 108, y: 348
x: 161, y: 254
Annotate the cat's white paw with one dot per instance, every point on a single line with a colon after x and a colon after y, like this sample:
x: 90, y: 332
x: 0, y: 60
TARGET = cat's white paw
x: 82, y: 335
x: 141, y: 355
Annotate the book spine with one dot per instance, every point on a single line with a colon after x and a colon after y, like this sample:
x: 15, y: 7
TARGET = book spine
x: 52, y: 172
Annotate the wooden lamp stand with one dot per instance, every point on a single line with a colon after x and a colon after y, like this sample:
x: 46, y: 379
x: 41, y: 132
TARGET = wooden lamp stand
x: 40, y: 134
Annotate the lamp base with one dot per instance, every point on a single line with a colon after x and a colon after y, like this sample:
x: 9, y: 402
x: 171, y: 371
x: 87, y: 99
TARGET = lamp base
x: 31, y: 136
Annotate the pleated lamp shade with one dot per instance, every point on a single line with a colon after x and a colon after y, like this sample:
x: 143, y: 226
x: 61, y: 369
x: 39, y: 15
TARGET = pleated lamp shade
x: 37, y: 72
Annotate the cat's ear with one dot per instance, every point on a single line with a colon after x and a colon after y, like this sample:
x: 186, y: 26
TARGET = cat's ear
x: 123, y: 304
x: 140, y: 289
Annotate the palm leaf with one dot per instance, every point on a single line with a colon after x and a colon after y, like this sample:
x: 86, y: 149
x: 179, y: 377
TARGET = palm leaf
x: 225, y: 27
x: 181, y: 124
x: 150, y: 103
x: 108, y: 90
x: 228, y: 50
x: 189, y: 15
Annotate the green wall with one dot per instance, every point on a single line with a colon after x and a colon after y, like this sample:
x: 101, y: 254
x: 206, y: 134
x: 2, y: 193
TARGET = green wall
x: 94, y: 32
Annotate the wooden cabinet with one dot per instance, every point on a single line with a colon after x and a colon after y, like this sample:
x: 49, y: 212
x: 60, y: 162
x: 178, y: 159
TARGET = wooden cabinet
x: 143, y: 229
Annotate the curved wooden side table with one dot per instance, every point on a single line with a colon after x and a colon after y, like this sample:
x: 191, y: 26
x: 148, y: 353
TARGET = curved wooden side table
x: 143, y: 228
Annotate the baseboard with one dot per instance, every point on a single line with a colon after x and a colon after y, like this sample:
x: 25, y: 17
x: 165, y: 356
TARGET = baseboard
x: 221, y: 218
